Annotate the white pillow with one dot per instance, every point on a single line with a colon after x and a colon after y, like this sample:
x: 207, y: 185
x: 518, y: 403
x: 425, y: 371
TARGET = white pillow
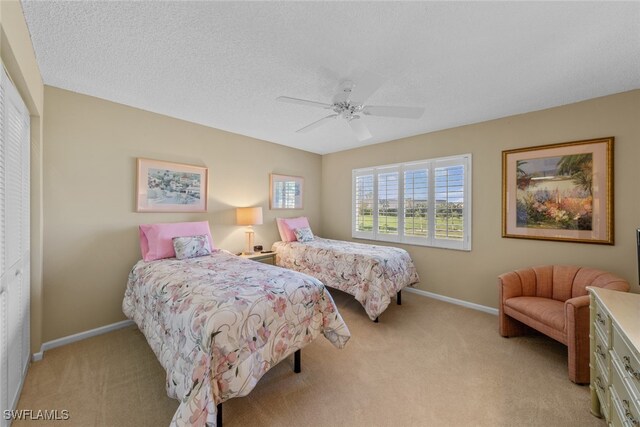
x: 191, y: 246
x: 303, y: 234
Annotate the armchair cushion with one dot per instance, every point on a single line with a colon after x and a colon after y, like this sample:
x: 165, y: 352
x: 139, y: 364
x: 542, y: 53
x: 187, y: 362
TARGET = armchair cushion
x: 544, y: 310
x: 542, y: 314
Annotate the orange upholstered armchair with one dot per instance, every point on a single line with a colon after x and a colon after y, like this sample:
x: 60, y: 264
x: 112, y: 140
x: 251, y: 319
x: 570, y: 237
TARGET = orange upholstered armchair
x: 553, y: 300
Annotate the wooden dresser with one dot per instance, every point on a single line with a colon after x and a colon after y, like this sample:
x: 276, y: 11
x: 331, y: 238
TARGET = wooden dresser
x: 615, y: 356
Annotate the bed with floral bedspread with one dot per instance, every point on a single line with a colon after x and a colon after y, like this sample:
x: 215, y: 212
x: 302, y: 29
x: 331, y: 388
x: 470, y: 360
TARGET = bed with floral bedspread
x: 372, y: 274
x: 218, y: 323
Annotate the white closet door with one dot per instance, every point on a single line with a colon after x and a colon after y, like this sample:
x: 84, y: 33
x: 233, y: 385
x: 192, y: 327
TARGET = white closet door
x: 4, y: 360
x: 14, y: 244
x: 2, y: 179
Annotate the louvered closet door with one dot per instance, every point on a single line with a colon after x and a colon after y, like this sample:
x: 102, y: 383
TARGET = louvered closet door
x: 14, y: 243
x: 3, y: 282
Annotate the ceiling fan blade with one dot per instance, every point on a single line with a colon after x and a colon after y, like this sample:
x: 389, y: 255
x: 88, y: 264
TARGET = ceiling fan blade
x: 316, y: 124
x: 365, y: 86
x: 360, y: 129
x: 302, y: 102
x: 393, y: 111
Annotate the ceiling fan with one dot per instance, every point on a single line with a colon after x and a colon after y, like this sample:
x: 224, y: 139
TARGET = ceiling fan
x: 348, y: 104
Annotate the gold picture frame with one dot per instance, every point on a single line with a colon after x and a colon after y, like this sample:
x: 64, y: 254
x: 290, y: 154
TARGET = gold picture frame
x: 170, y: 187
x: 286, y: 191
x: 560, y: 192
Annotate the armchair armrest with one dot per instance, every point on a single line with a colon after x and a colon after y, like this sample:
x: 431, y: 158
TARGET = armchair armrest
x: 617, y: 286
x: 509, y: 286
x: 577, y: 330
x: 577, y: 303
x: 576, y: 311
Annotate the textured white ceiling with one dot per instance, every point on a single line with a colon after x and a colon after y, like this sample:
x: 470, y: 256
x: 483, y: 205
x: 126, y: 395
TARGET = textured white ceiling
x: 222, y: 64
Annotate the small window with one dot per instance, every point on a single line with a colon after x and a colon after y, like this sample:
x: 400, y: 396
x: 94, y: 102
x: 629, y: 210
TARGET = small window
x: 422, y: 203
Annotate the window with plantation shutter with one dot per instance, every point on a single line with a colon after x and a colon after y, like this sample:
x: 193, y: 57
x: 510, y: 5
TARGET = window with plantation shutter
x: 388, y: 187
x: 363, y: 204
x: 416, y: 202
x: 426, y: 203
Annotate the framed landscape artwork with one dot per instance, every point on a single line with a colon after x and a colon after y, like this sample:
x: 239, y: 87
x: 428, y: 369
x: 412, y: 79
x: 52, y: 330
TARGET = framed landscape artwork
x: 171, y: 187
x: 559, y: 192
x: 285, y: 192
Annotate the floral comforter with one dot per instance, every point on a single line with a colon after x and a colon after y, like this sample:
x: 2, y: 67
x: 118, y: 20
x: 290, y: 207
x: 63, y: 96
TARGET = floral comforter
x: 218, y: 323
x: 373, y: 274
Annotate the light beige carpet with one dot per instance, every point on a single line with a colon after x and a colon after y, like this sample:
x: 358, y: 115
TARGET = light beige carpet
x: 427, y: 363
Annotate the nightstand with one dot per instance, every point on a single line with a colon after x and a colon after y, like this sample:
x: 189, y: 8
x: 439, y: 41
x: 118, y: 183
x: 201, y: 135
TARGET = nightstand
x: 269, y: 258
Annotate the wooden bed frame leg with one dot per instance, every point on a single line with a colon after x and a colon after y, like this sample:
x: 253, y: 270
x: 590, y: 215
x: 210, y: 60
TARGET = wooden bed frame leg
x: 219, y: 415
x: 399, y: 298
x: 375, y: 321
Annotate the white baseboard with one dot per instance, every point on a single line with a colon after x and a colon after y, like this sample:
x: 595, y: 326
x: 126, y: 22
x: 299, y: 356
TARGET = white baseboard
x: 463, y: 303
x: 80, y: 336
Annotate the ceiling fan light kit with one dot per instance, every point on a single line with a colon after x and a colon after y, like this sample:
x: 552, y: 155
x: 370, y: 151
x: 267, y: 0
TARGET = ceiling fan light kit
x: 347, y: 106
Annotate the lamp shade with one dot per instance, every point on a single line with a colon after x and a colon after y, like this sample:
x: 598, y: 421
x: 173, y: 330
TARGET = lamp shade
x: 249, y: 216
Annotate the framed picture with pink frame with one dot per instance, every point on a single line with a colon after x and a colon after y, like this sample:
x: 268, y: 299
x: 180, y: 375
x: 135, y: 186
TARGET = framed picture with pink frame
x: 170, y: 187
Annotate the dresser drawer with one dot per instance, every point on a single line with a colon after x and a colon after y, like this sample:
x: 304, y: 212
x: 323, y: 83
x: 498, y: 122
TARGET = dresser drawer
x: 602, y: 322
x: 617, y: 413
x: 603, y: 396
x: 628, y: 360
x: 600, y: 383
x: 601, y: 350
x: 601, y: 379
x: 621, y: 397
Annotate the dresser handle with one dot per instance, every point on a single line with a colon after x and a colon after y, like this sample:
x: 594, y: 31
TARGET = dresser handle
x: 629, y: 368
x: 600, y: 319
x: 600, y: 352
x: 599, y: 383
x: 628, y: 414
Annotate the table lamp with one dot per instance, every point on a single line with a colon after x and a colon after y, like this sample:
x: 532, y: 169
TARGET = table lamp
x: 249, y: 217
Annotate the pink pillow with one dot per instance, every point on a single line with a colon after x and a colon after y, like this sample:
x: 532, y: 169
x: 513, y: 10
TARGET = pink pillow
x: 286, y: 227
x: 156, y: 239
x: 279, y: 224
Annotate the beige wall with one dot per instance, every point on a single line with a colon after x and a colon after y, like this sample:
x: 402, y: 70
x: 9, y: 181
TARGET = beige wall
x: 91, y: 240
x: 471, y: 276
x: 19, y: 59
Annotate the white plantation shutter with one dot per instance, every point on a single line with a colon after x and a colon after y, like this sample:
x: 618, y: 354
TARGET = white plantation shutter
x: 388, y: 204
x: 416, y: 203
x: 423, y: 203
x: 363, y: 204
x: 452, y: 194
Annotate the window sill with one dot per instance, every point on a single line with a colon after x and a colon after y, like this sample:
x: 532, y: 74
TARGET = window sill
x: 454, y: 247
